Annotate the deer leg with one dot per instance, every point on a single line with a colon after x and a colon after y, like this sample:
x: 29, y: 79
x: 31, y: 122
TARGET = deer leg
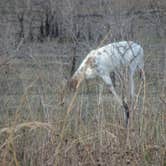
x: 108, y: 81
x: 122, y: 103
x: 132, y: 89
x: 132, y: 70
x: 87, y: 85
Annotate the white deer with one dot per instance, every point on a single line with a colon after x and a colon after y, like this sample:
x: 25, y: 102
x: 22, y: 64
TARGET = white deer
x: 110, y: 58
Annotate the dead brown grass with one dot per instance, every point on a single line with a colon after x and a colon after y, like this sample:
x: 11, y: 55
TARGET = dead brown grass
x: 45, y: 124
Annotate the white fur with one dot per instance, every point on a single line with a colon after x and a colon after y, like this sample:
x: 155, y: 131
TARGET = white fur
x: 110, y: 58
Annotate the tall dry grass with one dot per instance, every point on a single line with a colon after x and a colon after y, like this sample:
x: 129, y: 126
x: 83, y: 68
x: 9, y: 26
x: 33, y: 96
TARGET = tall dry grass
x: 42, y: 123
x: 48, y: 125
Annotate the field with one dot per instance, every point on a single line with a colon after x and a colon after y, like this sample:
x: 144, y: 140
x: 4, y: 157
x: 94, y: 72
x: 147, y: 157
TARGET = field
x: 41, y: 126
x: 42, y: 122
